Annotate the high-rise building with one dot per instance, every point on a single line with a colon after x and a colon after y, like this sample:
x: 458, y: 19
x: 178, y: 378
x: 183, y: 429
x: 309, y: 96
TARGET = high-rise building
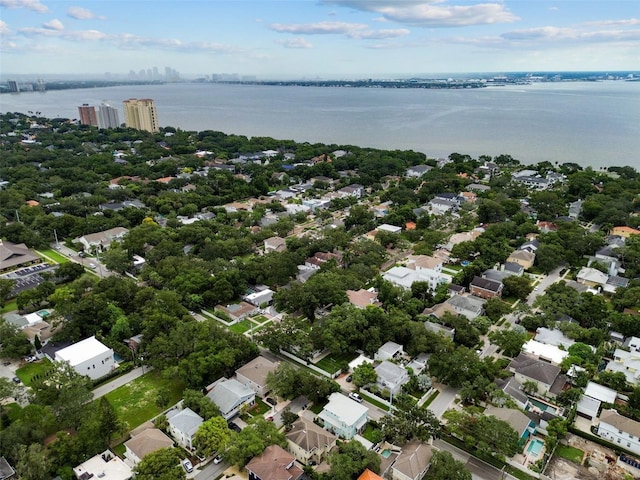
x: 141, y: 114
x: 108, y: 116
x: 88, y: 115
x: 13, y: 86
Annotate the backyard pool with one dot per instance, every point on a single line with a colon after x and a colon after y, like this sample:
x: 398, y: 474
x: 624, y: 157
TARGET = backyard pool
x: 386, y: 453
x: 544, y: 407
x: 535, y: 447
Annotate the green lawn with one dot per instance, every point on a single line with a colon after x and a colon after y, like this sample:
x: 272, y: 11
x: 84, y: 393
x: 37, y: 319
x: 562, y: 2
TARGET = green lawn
x: 259, y: 408
x: 371, y: 433
x: 53, y: 254
x: 135, y: 402
x: 333, y: 363
x: 260, y: 319
x: 572, y: 454
x: 317, y: 407
x: 431, y: 398
x: 31, y: 370
x: 242, y: 327
x: 9, y: 306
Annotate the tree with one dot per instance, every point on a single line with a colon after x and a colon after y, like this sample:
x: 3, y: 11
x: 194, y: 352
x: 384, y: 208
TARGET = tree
x: 364, y: 374
x: 200, y: 403
x: 33, y: 463
x: 408, y: 422
x: 6, y: 286
x: 351, y: 460
x: 509, y: 340
x: 288, y: 417
x: 15, y: 344
x: 496, y: 308
x: 69, y: 271
x: 445, y: 467
x: 518, y: 287
x: 212, y: 436
x: 252, y: 440
x: 163, y: 464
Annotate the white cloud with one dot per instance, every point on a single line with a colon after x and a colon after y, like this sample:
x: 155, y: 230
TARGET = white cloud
x: 80, y: 13
x: 433, y: 13
x: 380, y: 34
x: 295, y: 43
x: 609, y: 23
x: 4, y: 28
x: 34, y: 5
x: 54, y: 24
x: 319, y: 28
x: 566, y: 34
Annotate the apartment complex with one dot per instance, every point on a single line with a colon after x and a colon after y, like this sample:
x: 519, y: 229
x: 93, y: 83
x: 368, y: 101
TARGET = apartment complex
x: 141, y: 114
x: 88, y: 115
x: 108, y: 116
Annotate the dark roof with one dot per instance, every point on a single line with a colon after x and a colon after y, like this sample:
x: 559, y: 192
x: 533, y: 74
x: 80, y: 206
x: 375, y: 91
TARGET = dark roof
x: 486, y: 284
x: 535, y: 369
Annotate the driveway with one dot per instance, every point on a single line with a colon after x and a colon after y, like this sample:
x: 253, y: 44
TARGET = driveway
x: 443, y: 400
x: 102, y: 390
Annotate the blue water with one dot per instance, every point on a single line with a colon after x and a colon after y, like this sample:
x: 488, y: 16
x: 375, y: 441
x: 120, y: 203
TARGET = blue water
x: 589, y: 123
x: 535, y: 447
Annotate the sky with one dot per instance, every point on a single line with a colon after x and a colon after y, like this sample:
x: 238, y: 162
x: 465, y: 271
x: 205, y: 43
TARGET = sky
x: 317, y: 38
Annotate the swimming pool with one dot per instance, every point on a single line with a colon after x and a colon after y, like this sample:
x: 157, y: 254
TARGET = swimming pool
x: 386, y: 453
x: 545, y: 407
x: 535, y: 447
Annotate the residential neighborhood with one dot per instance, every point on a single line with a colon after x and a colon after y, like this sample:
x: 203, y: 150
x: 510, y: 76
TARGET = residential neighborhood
x: 200, y: 305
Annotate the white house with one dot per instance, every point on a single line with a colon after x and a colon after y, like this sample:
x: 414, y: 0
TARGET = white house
x: 388, y: 351
x: 230, y: 396
x: 420, y: 268
x: 619, y: 430
x: 183, y: 425
x: 343, y: 416
x: 391, y: 377
x: 417, y: 171
x: 106, y: 466
x: 88, y: 357
x: 627, y: 362
x: 101, y: 240
x: 594, y: 395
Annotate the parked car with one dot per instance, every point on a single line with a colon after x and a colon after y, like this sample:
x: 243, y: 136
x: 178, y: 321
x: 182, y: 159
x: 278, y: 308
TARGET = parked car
x: 93, y: 265
x: 271, y: 401
x: 16, y: 380
x: 356, y: 397
x: 30, y: 358
x: 234, y: 427
x: 349, y: 378
x: 218, y: 459
x: 186, y: 463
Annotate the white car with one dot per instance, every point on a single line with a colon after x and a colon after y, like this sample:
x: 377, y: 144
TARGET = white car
x: 356, y: 397
x: 218, y: 459
x: 186, y: 463
x: 93, y: 266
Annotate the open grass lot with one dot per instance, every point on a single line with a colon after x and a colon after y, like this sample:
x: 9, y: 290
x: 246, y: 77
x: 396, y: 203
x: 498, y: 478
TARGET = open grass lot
x: 572, y: 454
x: 53, y: 254
x: 31, y: 370
x: 242, y: 327
x: 135, y: 402
x: 9, y: 306
x: 333, y: 363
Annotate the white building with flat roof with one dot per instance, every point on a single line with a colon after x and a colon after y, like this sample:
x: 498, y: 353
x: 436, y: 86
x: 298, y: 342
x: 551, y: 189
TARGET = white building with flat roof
x: 88, y: 357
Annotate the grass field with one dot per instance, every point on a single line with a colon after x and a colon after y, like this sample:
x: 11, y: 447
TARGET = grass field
x: 31, y: 370
x: 135, y: 402
x: 242, y: 327
x: 572, y: 454
x: 333, y: 363
x: 9, y: 307
x: 53, y: 255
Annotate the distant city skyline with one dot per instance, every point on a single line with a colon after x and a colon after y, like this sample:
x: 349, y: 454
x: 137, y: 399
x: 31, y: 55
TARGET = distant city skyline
x: 323, y: 38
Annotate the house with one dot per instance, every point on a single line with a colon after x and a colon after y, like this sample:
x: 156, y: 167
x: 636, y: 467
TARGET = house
x: 413, y: 462
x: 261, y: 297
x: 308, y: 442
x: 468, y: 305
x: 183, y: 425
x: 553, y: 337
x: 513, y: 388
x: 547, y: 377
x: 391, y: 377
x: 105, y: 466
x: 230, y: 396
x: 6, y: 470
x: 591, y: 277
x: 16, y: 255
x: 144, y: 443
x: 524, y: 258
x: 254, y: 374
x: 593, y: 397
x: 517, y: 420
x: 319, y: 258
x: 238, y: 311
x: 420, y: 268
x: 619, y: 430
x: 417, y: 171
x: 624, y: 232
x: 440, y: 329
x: 485, y: 288
x: 363, y: 298
x: 385, y: 227
x: 355, y: 190
x: 544, y: 351
x: 369, y: 475
x: 88, y: 357
x: 530, y: 246
x: 274, y: 463
x: 389, y: 351
x: 440, y: 206
x: 627, y: 361
x: 101, y: 240
x: 343, y: 416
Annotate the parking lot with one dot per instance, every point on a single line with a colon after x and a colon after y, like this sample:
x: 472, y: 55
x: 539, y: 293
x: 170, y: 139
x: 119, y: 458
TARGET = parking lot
x: 28, y: 277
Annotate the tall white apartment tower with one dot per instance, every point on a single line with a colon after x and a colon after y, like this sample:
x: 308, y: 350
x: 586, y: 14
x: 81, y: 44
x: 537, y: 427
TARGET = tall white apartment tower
x: 141, y: 114
x: 108, y: 116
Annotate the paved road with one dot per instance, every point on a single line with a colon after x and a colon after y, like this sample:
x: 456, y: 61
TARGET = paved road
x: 443, y: 400
x: 553, y: 277
x: 102, y: 390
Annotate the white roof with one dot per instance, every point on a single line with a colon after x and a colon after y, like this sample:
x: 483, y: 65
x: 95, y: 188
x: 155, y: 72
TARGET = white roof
x: 600, y: 392
x: 33, y: 318
x: 544, y: 351
x: 347, y: 410
x: 81, y: 351
x: 389, y: 228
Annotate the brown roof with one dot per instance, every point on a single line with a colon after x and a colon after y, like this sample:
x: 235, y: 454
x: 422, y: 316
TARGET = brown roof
x: 275, y: 463
x: 522, y: 255
x: 624, y: 424
x: 361, y: 298
x: 515, y: 418
x: 423, y: 261
x: 257, y: 370
x: 15, y: 254
x: 414, y: 459
x: 148, y: 442
x: 308, y: 436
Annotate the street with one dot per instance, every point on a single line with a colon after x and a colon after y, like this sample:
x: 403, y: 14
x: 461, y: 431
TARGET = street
x: 479, y: 470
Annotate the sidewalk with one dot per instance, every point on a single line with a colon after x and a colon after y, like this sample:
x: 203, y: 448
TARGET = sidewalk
x: 102, y: 390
